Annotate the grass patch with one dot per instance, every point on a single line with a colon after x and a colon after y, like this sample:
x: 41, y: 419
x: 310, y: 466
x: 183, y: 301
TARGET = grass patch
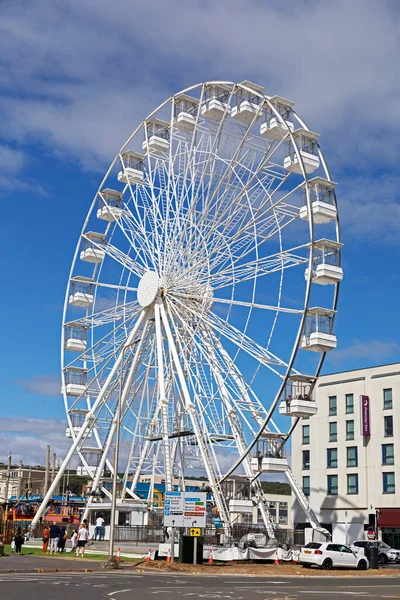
x: 29, y: 551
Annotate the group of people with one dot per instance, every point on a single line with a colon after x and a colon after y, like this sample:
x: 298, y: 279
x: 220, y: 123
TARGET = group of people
x: 55, y: 537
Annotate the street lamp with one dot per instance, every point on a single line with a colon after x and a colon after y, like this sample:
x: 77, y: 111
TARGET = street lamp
x: 116, y: 456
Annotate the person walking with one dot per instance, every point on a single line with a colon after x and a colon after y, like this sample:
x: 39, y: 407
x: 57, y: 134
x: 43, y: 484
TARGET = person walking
x: 13, y: 546
x: 83, y: 536
x: 74, y: 540
x: 54, y: 533
x: 45, y: 539
x: 99, y: 528
x: 62, y: 538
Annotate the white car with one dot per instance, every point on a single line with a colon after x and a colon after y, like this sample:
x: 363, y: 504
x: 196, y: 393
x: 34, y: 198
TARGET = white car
x: 386, y: 553
x: 328, y: 555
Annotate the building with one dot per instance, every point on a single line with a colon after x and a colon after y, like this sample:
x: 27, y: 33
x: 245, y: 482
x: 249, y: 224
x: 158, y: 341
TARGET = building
x: 243, y: 510
x: 21, y: 480
x: 347, y: 455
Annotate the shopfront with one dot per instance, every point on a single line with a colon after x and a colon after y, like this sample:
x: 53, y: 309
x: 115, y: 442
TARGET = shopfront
x: 389, y: 526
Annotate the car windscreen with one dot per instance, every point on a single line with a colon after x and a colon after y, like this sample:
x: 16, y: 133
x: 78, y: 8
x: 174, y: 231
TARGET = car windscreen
x: 312, y: 545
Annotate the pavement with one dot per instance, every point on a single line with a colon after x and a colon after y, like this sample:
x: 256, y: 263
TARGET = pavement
x: 26, y: 563
x: 143, y: 586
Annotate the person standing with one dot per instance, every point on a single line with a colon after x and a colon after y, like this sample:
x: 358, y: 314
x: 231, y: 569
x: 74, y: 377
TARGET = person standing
x: 99, y: 527
x: 74, y: 540
x: 13, y: 546
x: 54, y: 533
x: 45, y: 539
x: 62, y: 538
x: 83, y: 536
x: 19, y: 540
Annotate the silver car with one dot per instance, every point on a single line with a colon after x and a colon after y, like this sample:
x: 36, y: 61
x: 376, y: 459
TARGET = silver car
x: 386, y: 553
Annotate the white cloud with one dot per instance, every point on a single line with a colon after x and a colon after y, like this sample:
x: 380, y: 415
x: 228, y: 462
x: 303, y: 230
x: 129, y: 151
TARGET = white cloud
x: 43, y: 385
x: 27, y: 439
x: 81, y: 89
x: 373, y: 351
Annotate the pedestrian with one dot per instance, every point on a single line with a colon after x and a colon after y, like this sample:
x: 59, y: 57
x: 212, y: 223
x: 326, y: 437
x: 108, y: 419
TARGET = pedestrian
x: 83, y: 536
x: 54, y: 533
x: 19, y: 540
x: 13, y: 546
x: 74, y: 540
x: 62, y: 538
x: 99, y: 527
x: 45, y: 539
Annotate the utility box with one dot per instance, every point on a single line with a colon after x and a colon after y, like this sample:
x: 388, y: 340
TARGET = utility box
x: 372, y: 553
x: 186, y: 545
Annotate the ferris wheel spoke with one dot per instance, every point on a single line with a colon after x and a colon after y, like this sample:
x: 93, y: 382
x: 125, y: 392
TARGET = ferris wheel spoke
x: 258, y: 268
x: 294, y: 311
x: 110, y: 315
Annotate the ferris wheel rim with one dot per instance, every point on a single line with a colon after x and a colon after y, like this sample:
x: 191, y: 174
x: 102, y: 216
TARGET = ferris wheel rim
x: 311, y: 229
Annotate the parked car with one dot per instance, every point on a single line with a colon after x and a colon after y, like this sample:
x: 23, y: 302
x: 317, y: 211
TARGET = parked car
x: 386, y: 553
x: 328, y: 555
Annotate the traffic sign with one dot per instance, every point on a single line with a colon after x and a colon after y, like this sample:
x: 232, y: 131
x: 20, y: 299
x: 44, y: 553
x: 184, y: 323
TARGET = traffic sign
x: 184, y: 509
x: 195, y: 532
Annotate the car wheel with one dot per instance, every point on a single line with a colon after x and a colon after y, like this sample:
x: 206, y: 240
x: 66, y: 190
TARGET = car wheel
x: 383, y: 559
x: 362, y: 565
x: 327, y: 564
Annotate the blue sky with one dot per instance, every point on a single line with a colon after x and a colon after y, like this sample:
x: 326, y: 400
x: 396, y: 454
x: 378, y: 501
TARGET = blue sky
x: 76, y: 79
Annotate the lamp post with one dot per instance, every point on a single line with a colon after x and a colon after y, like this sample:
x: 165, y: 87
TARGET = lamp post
x: 116, y: 457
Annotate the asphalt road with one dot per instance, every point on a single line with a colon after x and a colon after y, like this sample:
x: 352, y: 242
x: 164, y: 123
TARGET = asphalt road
x: 143, y: 586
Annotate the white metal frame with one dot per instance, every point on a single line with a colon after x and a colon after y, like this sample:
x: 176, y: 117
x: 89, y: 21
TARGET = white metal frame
x: 214, y: 218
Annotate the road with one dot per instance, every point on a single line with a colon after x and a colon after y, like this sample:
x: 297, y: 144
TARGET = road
x: 143, y: 586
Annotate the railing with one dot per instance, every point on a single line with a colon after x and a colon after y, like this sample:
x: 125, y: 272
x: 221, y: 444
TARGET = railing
x: 139, y: 533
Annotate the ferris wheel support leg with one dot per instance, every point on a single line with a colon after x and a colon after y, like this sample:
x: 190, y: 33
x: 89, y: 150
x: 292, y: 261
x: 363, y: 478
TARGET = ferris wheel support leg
x: 240, y: 442
x: 190, y: 407
x: 85, y: 427
x: 124, y: 395
x: 163, y: 401
x: 144, y: 452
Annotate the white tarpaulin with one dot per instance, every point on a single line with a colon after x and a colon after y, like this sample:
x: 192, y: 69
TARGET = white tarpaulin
x: 235, y: 553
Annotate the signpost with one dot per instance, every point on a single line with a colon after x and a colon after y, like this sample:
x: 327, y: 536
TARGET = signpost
x: 180, y: 508
x: 185, y: 509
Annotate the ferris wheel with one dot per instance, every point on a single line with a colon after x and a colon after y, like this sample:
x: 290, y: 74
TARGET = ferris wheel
x: 202, y: 295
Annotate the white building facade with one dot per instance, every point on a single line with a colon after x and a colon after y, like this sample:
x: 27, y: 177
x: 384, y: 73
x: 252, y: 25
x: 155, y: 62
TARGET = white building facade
x: 347, y: 455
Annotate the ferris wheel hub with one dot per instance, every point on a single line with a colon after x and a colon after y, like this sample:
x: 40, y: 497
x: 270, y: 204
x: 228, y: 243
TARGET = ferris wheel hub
x: 148, y: 288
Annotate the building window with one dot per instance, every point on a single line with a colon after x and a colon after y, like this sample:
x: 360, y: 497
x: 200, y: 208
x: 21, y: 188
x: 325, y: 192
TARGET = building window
x: 332, y: 406
x: 352, y: 484
x: 272, y: 511
x: 349, y: 430
x: 306, y: 434
x: 332, y: 458
x: 388, y: 426
x: 306, y: 459
x: 387, y: 399
x: 332, y: 485
x: 306, y: 485
x: 388, y: 483
x: 283, y: 513
x: 387, y: 454
x: 349, y: 403
x: 352, y: 456
x: 333, y: 431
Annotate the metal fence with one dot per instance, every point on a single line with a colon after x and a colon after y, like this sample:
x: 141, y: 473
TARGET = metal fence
x: 153, y: 534
x: 139, y: 533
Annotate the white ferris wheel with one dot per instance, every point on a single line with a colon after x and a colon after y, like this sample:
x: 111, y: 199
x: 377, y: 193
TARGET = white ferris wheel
x: 202, y: 295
